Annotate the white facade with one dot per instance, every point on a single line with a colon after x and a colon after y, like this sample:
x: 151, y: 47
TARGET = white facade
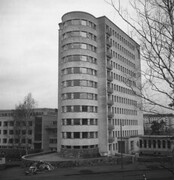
x: 98, y: 67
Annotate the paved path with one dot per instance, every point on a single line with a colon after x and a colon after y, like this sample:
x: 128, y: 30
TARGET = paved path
x: 47, y: 157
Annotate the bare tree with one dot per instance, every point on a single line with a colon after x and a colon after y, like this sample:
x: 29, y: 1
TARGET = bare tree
x: 23, y: 114
x: 153, y: 25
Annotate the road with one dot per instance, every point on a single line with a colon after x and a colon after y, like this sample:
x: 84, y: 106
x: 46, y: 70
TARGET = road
x: 17, y: 173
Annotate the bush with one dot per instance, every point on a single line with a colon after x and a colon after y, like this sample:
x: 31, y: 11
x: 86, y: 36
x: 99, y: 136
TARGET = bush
x: 14, y: 154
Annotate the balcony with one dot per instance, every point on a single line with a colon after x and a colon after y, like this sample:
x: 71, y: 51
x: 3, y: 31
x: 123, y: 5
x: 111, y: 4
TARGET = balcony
x: 110, y: 90
x: 110, y: 114
x: 110, y: 102
x: 109, y: 78
x: 110, y: 139
x: 108, y: 32
x: 109, y: 54
x: 109, y: 66
x: 108, y: 42
x: 110, y: 127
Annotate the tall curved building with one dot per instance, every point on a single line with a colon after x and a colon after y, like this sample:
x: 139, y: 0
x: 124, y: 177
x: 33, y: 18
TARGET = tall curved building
x: 98, y: 69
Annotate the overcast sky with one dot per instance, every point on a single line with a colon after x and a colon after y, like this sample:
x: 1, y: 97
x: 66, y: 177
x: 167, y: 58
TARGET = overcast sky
x: 29, y: 46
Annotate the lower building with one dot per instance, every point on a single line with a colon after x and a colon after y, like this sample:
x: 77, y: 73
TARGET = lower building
x: 39, y: 133
x: 156, y: 145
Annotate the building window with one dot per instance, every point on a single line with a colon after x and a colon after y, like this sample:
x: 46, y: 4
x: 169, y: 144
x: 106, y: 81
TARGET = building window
x: 68, y: 135
x: 76, y: 135
x: 78, y: 82
x: 68, y: 122
x: 164, y: 143
x: 54, y: 122
x: 11, y: 132
x: 23, y: 141
x: 4, y: 140
x: 79, y: 22
x: 77, y: 108
x: 76, y: 121
x: 154, y: 143
x: 23, y: 132
x: 29, y: 141
x: 10, y: 141
x: 145, y: 144
x: 53, y: 141
x: 68, y: 108
x: 4, y: 132
x: 140, y: 143
x: 5, y: 123
x: 79, y: 70
x: 16, y: 140
x: 84, y: 121
x: 84, y: 134
x: 11, y: 123
x: 168, y: 144
x: 17, y: 132
x: 79, y: 46
x: 29, y: 132
x: 92, y: 121
x: 159, y: 144
x: 149, y: 143
x: 79, y: 34
x: 84, y: 108
x: 30, y: 123
x: 132, y: 145
x: 76, y: 95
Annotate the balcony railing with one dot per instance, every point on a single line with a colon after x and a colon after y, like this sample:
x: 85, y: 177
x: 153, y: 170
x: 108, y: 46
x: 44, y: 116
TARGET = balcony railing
x: 109, y: 54
x: 110, y: 102
x: 110, y: 127
x: 108, y: 42
x: 109, y: 66
x: 110, y: 114
x: 109, y: 78
x: 108, y: 32
x: 110, y: 90
x: 110, y: 139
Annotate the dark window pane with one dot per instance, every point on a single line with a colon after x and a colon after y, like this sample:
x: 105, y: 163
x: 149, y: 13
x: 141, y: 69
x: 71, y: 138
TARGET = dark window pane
x: 76, y: 58
x: 69, y: 83
x: 76, y: 108
x: 76, y: 70
x: 69, y: 70
x: 84, y: 121
x: 68, y: 135
x: 76, y: 121
x: 76, y: 134
x: 68, y: 108
x: 76, y: 82
x: 68, y: 121
x: 77, y: 95
x: 84, y: 135
x: 84, y: 108
x: 68, y: 95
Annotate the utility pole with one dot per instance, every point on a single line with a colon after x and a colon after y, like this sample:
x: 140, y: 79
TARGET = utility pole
x: 121, y: 145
